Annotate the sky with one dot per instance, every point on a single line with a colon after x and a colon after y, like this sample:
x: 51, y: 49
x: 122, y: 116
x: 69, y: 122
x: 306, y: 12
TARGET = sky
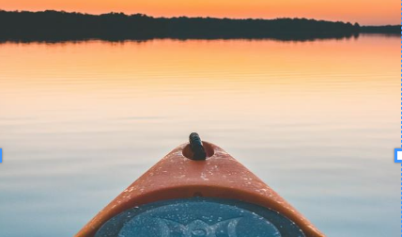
x: 372, y: 12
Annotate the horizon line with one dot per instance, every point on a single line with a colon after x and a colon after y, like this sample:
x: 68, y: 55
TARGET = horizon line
x: 184, y: 16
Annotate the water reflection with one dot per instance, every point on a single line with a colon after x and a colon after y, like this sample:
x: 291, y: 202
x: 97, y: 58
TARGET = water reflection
x: 316, y: 120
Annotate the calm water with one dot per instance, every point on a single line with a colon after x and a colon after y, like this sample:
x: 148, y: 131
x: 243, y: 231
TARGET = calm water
x: 316, y: 120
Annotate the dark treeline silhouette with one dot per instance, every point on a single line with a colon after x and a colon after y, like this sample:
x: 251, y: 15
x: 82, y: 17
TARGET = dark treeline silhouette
x: 388, y: 29
x: 62, y: 26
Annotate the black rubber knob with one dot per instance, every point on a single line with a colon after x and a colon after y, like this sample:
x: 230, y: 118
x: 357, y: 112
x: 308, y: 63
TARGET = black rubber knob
x: 197, y: 147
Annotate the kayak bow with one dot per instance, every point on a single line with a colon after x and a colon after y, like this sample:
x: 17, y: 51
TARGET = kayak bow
x: 215, y: 197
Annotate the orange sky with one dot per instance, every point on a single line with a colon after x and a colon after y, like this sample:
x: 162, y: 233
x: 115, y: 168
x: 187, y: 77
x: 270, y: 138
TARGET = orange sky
x: 373, y: 12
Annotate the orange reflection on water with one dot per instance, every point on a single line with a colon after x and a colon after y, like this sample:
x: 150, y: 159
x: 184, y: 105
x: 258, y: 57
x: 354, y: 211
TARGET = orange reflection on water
x: 316, y: 77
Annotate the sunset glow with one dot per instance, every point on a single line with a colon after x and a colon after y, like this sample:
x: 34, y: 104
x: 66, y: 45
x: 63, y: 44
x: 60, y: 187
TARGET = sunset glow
x: 363, y: 12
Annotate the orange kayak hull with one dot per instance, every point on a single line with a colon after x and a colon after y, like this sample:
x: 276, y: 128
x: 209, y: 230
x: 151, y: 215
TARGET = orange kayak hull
x: 177, y: 177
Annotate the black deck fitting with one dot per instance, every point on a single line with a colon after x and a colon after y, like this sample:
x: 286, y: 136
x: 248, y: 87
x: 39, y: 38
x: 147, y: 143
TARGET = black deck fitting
x: 197, y: 147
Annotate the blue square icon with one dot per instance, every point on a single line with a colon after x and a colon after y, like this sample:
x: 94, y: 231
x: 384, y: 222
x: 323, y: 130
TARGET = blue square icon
x: 1, y: 155
x: 398, y: 155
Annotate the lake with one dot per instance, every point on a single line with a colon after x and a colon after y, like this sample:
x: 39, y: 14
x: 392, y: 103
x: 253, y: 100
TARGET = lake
x: 316, y: 120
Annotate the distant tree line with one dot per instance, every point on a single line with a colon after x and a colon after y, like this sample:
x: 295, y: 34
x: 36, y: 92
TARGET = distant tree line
x: 388, y: 29
x: 61, y: 26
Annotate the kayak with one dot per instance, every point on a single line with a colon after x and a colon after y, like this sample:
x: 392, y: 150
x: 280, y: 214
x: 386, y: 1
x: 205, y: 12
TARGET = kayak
x: 198, y: 190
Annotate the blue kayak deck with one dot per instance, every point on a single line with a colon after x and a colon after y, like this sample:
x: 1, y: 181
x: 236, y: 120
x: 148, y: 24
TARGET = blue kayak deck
x: 199, y: 217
